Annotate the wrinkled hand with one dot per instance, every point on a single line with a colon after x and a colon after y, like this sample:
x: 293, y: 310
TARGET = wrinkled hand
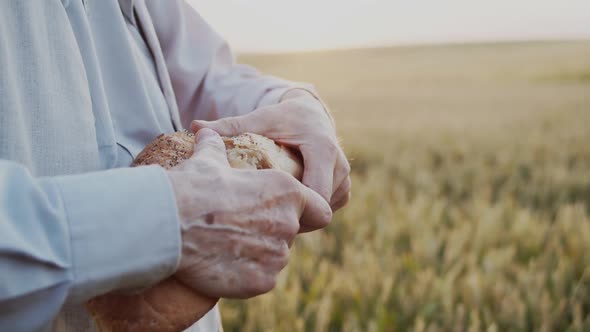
x: 298, y: 121
x: 237, y: 225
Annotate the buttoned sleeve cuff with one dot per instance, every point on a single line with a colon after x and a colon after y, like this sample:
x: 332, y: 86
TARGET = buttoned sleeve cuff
x: 124, y: 228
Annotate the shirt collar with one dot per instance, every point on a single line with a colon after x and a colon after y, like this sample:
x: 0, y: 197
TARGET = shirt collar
x: 127, y: 9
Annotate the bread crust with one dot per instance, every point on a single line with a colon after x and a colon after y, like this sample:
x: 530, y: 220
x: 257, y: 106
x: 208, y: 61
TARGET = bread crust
x: 246, y: 151
x: 171, y: 306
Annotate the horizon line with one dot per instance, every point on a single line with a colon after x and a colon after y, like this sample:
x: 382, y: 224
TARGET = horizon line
x: 404, y: 44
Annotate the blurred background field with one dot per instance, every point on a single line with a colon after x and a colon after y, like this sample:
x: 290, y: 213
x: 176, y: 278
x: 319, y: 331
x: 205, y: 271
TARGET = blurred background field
x: 470, y: 208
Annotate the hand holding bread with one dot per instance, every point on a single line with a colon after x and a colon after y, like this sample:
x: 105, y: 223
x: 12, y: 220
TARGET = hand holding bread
x: 236, y: 235
x: 301, y: 121
x: 236, y: 224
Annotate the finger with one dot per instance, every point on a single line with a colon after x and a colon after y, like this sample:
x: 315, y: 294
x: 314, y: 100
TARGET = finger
x: 341, y: 202
x: 341, y: 175
x: 233, y: 126
x: 316, y: 212
x: 288, y: 230
x: 341, y: 170
x: 341, y: 195
x: 209, y: 145
x: 318, y: 171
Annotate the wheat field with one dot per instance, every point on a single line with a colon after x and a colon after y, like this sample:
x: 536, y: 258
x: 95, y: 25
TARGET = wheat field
x: 470, y: 208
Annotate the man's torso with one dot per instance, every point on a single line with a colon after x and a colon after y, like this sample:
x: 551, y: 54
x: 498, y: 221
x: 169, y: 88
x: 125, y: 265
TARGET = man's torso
x: 80, y: 90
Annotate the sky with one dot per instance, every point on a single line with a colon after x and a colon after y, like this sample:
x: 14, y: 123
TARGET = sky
x: 304, y: 25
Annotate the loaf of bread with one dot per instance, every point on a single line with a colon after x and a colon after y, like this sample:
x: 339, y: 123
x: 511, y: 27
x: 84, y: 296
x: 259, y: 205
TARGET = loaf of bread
x: 171, y: 306
x: 246, y: 151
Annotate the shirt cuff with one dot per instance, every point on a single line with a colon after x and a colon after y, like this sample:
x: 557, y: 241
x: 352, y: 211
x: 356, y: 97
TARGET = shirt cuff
x: 124, y: 228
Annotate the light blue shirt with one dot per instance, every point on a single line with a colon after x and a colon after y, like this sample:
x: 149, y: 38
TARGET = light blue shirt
x: 84, y: 85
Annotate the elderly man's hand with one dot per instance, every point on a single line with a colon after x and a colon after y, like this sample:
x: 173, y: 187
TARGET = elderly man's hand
x: 237, y: 225
x: 299, y: 121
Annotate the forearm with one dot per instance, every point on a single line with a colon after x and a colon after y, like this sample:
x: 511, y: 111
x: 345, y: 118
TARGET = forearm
x: 70, y: 238
x: 207, y: 82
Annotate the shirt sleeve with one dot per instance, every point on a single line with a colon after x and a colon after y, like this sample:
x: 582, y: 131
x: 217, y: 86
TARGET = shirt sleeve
x: 70, y: 238
x: 207, y: 82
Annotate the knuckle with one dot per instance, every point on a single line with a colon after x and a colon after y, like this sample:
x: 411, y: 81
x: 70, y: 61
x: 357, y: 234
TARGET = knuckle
x: 320, y: 221
x: 234, y: 126
x: 327, y: 218
x: 291, y: 227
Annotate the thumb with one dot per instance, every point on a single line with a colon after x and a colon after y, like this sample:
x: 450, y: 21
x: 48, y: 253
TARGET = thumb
x: 210, y: 146
x: 232, y: 126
